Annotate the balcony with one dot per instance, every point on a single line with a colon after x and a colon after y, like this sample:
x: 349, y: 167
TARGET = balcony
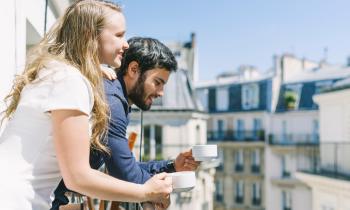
x: 235, y: 135
x: 219, y: 198
x: 255, y: 169
x: 293, y: 139
x: 286, y: 174
x: 256, y: 201
x: 334, y: 161
x: 239, y: 199
x: 239, y: 168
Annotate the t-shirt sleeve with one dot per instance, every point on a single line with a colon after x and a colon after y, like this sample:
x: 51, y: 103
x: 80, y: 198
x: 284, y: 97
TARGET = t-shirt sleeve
x: 73, y: 92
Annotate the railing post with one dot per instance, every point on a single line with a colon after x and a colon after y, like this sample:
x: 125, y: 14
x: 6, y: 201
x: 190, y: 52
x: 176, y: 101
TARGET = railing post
x: 336, y: 158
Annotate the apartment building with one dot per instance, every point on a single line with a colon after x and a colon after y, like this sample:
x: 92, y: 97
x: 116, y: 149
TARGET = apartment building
x: 270, y: 115
x: 330, y: 180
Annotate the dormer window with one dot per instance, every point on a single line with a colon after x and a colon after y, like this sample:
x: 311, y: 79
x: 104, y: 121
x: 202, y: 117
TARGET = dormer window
x: 250, y: 96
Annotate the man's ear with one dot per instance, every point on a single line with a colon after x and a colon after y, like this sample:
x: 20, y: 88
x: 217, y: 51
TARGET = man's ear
x: 133, y: 69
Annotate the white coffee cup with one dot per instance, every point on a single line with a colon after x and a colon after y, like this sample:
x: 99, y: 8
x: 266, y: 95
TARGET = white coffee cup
x: 183, y: 181
x: 204, y: 152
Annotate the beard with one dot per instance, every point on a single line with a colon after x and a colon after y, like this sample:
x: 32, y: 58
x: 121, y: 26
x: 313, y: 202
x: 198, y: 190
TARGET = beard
x: 137, y: 94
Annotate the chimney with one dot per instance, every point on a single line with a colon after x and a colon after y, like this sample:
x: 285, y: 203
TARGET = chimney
x: 193, y: 39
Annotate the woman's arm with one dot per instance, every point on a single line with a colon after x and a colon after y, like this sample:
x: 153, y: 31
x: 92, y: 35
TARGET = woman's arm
x: 72, y: 145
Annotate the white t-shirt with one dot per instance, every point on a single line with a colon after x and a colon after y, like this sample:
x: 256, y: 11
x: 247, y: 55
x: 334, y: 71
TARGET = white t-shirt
x: 29, y: 168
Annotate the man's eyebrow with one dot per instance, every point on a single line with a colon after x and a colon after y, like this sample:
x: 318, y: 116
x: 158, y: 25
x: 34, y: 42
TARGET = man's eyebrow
x: 162, y: 80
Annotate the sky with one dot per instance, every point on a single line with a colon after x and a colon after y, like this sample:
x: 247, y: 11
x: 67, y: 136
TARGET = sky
x: 231, y: 33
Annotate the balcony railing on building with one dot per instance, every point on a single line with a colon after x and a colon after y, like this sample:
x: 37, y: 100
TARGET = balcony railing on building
x: 239, y: 167
x: 255, y: 169
x: 237, y: 135
x: 293, y: 139
x: 219, y: 197
x: 334, y: 160
x: 239, y: 199
x: 256, y: 201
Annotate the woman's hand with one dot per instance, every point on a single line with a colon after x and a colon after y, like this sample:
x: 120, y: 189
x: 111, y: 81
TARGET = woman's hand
x: 109, y: 73
x: 148, y: 206
x: 164, y: 205
x: 158, y: 188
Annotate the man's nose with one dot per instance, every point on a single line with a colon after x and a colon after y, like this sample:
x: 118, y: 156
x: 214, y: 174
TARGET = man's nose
x: 160, y: 91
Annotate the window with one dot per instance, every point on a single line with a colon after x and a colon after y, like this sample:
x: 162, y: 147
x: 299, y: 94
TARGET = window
x: 239, y: 131
x: 158, y: 136
x: 255, y: 158
x: 286, y: 200
x: 221, y: 159
x: 322, y: 86
x: 284, y: 137
x: 250, y: 96
x: 220, y: 128
x: 258, y: 134
x: 212, y: 99
x: 239, y: 198
x: 292, y: 95
x: 256, y: 194
x: 219, y: 190
x: 152, y: 142
x: 315, y: 131
x: 285, y: 166
x: 222, y: 99
x: 239, y: 162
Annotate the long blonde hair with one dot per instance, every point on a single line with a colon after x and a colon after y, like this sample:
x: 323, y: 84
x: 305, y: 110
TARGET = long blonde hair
x: 74, y: 40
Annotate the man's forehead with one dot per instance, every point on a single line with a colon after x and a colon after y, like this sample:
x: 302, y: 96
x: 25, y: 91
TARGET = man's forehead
x: 160, y: 73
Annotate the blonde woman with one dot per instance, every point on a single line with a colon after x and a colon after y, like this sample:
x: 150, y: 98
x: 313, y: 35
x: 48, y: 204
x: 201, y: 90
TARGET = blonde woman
x: 57, y: 112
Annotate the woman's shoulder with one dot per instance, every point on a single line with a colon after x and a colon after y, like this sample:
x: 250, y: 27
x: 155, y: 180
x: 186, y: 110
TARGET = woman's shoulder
x: 67, y: 87
x: 58, y: 70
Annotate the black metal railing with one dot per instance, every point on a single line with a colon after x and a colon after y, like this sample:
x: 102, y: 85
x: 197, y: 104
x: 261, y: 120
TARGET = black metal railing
x: 333, y: 160
x: 256, y: 201
x: 219, y: 198
x: 239, y: 168
x: 293, y: 139
x: 239, y: 199
x: 286, y: 174
x: 255, y: 169
x: 236, y: 135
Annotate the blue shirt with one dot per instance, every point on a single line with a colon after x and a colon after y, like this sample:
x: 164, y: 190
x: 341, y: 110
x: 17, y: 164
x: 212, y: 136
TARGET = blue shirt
x: 120, y: 163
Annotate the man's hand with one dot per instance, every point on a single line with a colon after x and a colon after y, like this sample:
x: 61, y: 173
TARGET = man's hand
x: 185, y: 162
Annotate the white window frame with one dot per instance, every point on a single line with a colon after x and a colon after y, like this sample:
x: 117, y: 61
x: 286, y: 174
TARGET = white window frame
x: 250, y: 96
x: 256, y: 157
x: 222, y: 98
x: 286, y: 199
x: 239, y: 157
x: 256, y: 190
x: 239, y: 188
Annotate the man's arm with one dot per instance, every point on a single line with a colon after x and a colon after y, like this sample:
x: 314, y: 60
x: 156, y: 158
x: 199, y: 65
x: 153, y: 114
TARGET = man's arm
x: 155, y: 167
x: 121, y: 163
